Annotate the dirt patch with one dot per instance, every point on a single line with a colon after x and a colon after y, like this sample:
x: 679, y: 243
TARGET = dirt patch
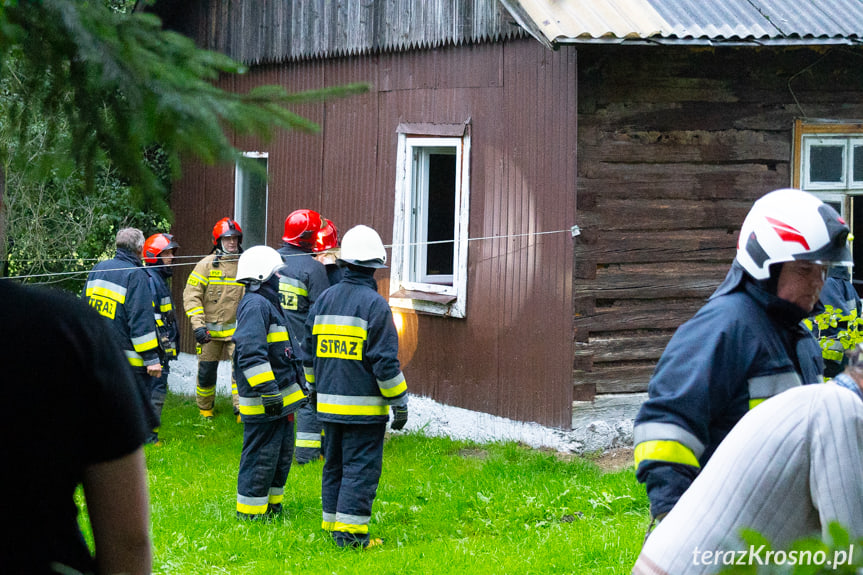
x: 472, y: 453
x: 614, y: 459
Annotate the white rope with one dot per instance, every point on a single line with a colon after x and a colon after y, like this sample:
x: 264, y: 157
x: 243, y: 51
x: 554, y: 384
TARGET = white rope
x: 199, y: 257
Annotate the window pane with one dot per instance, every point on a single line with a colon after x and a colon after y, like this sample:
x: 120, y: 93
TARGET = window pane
x: 858, y: 164
x: 252, y: 205
x: 825, y: 163
x: 441, y: 214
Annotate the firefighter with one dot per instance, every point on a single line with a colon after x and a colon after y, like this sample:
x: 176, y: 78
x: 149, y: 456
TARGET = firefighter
x: 119, y: 290
x: 268, y: 385
x: 747, y: 343
x: 210, y: 297
x: 301, y: 283
x: 159, y: 251
x: 354, y: 377
x: 326, y: 251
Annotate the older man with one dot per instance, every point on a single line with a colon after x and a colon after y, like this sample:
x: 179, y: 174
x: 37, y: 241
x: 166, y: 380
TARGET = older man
x: 746, y: 344
x: 118, y: 289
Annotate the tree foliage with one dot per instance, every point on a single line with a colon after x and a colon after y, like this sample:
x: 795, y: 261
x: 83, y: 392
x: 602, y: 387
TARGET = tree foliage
x: 90, y: 92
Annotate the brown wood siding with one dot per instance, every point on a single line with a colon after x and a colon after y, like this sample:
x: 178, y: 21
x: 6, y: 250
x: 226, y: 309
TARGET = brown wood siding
x: 674, y: 145
x: 512, y: 354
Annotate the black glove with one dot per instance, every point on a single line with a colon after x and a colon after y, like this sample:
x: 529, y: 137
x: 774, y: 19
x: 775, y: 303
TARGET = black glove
x: 272, y: 404
x: 400, y: 417
x: 202, y: 335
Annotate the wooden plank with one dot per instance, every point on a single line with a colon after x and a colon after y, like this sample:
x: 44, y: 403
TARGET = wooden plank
x: 644, y: 143
x: 630, y: 347
x: 627, y: 315
x: 616, y: 213
x: 732, y: 181
x: 652, y: 281
x: 619, y: 379
x: 643, y: 246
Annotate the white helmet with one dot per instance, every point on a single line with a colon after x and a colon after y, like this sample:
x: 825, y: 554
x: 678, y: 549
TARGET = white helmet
x: 362, y: 246
x: 257, y: 264
x: 787, y: 225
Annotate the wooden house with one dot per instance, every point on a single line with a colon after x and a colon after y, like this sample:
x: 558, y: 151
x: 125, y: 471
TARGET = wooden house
x: 561, y: 182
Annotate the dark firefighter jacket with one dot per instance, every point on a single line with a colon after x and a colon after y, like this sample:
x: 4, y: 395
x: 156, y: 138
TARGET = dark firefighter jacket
x: 263, y: 358
x: 354, y: 367
x: 744, y: 346
x: 302, y: 281
x: 119, y: 290
x: 163, y: 310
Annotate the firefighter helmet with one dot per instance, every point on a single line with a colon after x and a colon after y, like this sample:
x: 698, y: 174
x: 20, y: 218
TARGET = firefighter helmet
x: 787, y: 225
x: 156, y: 244
x: 362, y: 246
x: 302, y: 227
x: 327, y: 238
x: 257, y: 264
x: 225, y: 228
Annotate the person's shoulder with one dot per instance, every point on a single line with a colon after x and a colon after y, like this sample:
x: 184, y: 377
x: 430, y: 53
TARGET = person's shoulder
x: 39, y: 304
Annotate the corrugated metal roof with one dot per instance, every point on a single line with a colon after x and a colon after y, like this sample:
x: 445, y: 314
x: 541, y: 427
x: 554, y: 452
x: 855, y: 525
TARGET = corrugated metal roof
x: 751, y: 22
x: 258, y: 31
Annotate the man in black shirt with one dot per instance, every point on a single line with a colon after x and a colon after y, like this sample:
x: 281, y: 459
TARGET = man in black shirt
x: 74, y: 416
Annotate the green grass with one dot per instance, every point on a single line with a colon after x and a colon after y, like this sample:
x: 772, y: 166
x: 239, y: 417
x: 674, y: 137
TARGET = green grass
x: 442, y: 507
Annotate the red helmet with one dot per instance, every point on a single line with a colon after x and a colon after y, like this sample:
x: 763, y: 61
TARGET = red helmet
x: 327, y: 238
x: 225, y: 228
x: 156, y: 244
x: 302, y: 227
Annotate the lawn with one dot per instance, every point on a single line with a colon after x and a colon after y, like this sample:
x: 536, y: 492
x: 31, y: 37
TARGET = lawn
x: 442, y: 507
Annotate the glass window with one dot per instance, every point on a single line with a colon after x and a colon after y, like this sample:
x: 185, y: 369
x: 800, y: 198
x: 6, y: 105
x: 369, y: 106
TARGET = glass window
x: 250, y: 200
x: 429, y: 266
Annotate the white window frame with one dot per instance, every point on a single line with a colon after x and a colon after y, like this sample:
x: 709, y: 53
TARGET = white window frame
x: 850, y: 134
x: 428, y: 294
x: 239, y: 185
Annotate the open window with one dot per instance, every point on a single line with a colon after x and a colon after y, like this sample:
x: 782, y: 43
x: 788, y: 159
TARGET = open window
x: 250, y: 200
x: 828, y: 162
x: 430, y: 230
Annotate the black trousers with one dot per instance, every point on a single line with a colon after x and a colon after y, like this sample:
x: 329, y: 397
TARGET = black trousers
x: 268, y: 448
x: 352, y: 469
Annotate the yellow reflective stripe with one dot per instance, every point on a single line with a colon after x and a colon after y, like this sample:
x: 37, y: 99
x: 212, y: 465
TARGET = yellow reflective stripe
x: 755, y: 402
x: 198, y: 277
x: 309, y: 372
x: 395, y: 389
x: 225, y: 282
x: 328, y: 525
x: 286, y: 287
x: 195, y: 311
x: 350, y: 528
x: 663, y: 450
x: 334, y: 329
x: 105, y: 292
x: 276, y: 498
x: 224, y: 333
x: 135, y: 361
x: 308, y: 443
x: 337, y: 409
x: 295, y: 396
x: 251, y: 509
x: 205, y: 391
x: 276, y: 336
x: 260, y: 378
x: 146, y: 345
